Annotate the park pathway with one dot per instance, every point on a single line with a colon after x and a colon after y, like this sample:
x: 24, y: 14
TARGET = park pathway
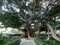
x: 27, y: 42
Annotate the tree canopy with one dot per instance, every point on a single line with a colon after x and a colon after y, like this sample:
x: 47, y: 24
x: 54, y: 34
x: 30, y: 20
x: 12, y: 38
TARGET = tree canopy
x: 30, y: 13
x: 17, y: 12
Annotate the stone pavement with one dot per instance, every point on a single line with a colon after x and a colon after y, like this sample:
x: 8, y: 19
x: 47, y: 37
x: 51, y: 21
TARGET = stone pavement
x: 27, y: 42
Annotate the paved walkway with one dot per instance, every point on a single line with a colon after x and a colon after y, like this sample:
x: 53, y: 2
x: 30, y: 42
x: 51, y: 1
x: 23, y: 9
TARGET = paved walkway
x: 27, y: 42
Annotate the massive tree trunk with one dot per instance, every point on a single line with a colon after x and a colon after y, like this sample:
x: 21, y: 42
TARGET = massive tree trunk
x: 29, y: 33
x: 32, y: 33
x: 52, y: 31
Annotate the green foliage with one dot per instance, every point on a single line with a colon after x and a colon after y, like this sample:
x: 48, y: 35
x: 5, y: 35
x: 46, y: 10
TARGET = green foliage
x: 54, y: 11
x: 38, y: 41
x: 7, y: 41
x: 52, y: 42
x: 3, y: 40
x: 11, y: 20
x: 58, y: 25
x: 42, y: 42
x: 13, y: 42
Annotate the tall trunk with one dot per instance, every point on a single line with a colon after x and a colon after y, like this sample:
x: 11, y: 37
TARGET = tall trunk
x: 29, y: 33
x: 55, y: 31
x: 26, y: 34
x: 32, y: 33
x: 48, y: 32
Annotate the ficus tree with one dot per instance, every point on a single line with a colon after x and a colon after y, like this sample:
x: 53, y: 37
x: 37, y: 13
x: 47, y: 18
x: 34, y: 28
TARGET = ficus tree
x: 30, y: 13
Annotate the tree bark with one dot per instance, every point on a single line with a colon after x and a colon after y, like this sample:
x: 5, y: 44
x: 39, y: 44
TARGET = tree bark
x: 29, y: 33
x: 52, y: 32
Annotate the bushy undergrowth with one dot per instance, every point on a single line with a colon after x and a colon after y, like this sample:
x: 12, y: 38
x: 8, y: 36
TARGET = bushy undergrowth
x: 9, y: 41
x: 49, y: 42
x: 16, y: 41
